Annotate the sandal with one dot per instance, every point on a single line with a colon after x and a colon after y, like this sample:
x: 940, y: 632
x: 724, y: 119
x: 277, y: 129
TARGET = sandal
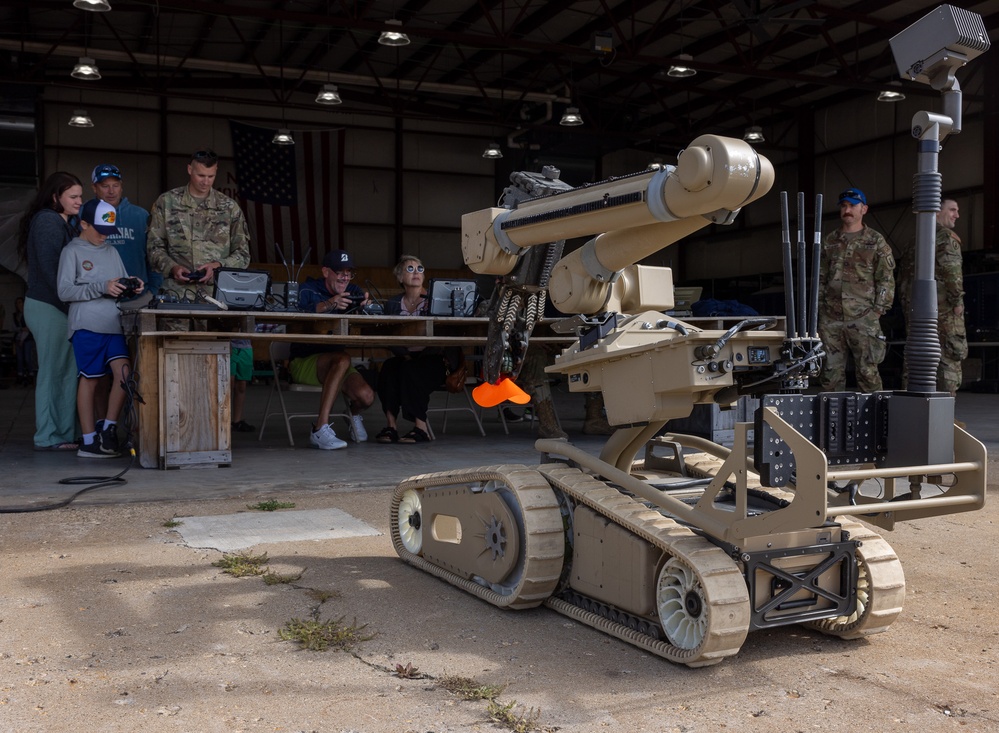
x: 58, y: 446
x: 387, y: 435
x: 415, y: 436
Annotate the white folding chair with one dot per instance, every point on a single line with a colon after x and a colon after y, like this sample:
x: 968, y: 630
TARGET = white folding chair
x: 470, y: 406
x: 280, y: 351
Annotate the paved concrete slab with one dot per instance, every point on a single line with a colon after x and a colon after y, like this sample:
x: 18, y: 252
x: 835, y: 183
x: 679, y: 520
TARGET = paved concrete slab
x: 231, y: 532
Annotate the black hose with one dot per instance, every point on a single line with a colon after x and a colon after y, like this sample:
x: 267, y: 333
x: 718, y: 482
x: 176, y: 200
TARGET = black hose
x: 130, y: 384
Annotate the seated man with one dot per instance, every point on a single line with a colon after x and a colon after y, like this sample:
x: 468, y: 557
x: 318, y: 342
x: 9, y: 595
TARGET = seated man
x: 327, y: 366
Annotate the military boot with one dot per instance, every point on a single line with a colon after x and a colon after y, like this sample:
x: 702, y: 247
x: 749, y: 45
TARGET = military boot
x: 595, y: 422
x: 548, y: 425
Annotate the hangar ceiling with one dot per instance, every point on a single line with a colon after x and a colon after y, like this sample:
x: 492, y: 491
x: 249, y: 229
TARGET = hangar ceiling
x: 511, y: 64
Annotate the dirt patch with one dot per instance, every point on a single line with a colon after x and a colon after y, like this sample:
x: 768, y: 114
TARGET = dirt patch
x: 109, y: 622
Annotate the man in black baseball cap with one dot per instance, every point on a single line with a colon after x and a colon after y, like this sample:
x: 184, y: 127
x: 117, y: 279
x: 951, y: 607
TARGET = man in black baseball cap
x: 338, y: 260
x: 329, y: 366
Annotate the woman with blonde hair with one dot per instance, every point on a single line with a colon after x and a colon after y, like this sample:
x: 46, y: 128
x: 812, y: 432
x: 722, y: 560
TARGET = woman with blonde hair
x: 407, y: 380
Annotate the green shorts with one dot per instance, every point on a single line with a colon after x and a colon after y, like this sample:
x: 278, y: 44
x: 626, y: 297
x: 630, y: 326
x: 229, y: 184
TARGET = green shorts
x: 241, y: 364
x: 303, y: 370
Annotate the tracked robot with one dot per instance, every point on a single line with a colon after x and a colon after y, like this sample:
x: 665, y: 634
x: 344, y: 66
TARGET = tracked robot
x: 670, y: 542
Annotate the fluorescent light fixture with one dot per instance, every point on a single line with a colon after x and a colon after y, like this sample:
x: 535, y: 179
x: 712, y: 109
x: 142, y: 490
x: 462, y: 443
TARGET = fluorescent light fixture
x: 86, y: 69
x: 328, y: 95
x: 80, y: 118
x: 571, y: 118
x: 95, y: 6
x: 754, y: 134
x: 681, y: 70
x: 889, y: 95
x: 492, y: 151
x: 283, y: 137
x: 393, y: 36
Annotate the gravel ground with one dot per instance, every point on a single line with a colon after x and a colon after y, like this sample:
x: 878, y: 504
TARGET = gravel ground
x: 108, y: 622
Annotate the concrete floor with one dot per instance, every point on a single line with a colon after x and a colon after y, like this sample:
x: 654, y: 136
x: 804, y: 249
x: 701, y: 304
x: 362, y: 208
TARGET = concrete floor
x: 270, y: 466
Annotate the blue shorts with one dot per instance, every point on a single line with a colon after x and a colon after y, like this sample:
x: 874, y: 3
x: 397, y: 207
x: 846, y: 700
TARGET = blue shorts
x: 94, y: 352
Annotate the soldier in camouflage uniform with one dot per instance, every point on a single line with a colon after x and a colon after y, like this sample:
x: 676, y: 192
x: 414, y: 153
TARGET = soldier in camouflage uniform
x: 856, y: 288
x: 195, y: 227
x: 950, y: 297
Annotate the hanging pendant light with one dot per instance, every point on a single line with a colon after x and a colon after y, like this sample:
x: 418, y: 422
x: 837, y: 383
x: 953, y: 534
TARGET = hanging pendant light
x: 681, y: 70
x: 283, y: 137
x: 393, y: 36
x: 328, y: 95
x: 571, y: 117
x: 80, y: 118
x: 86, y: 69
x: 95, y: 6
x: 754, y: 134
x: 492, y: 151
x: 889, y: 95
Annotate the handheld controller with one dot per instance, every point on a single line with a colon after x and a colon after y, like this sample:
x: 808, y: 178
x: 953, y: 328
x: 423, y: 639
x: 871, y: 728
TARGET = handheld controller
x: 196, y: 275
x: 131, y: 285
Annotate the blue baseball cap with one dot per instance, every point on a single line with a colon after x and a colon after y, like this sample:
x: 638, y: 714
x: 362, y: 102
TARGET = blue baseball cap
x: 105, y: 171
x: 854, y: 196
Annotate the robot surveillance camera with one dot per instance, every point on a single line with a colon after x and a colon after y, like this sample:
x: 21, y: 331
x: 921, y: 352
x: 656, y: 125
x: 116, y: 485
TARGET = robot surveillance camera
x: 942, y: 40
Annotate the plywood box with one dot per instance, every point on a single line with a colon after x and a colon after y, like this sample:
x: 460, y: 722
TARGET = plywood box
x: 194, y: 404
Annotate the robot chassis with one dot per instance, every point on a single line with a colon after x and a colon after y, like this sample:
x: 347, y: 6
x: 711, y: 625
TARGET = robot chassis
x: 683, y: 550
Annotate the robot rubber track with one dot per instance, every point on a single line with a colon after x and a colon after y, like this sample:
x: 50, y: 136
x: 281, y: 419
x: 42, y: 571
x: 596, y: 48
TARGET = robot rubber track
x: 716, y: 631
x: 880, y: 589
x: 541, y: 502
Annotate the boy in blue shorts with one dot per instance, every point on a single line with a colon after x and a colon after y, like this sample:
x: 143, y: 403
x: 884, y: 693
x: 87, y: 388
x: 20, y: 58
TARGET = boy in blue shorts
x: 89, y: 278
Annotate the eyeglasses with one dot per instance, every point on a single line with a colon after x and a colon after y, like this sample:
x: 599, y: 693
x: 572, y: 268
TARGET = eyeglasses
x: 206, y: 157
x: 852, y: 194
x: 414, y: 268
x: 343, y: 274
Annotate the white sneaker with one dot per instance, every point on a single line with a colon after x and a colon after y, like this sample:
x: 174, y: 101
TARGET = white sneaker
x: 325, y: 439
x: 357, y: 429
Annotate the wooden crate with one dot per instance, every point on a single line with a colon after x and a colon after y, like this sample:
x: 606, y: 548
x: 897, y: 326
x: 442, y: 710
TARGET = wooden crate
x: 194, y: 414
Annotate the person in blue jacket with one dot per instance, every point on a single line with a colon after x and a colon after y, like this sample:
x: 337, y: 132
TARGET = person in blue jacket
x: 130, y: 241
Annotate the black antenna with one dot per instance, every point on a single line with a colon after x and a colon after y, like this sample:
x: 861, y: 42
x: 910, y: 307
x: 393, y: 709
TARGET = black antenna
x: 788, y: 271
x: 813, y: 324
x: 305, y: 258
x: 802, y: 268
x: 280, y: 252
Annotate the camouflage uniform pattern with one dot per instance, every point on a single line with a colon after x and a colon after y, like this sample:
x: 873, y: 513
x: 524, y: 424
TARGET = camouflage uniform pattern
x: 187, y: 232
x: 950, y: 306
x: 856, y: 288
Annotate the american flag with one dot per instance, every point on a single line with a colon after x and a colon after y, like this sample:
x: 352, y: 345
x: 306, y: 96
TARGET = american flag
x: 290, y: 193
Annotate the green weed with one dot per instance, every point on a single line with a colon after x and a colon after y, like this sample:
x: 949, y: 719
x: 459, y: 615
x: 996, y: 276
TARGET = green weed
x: 271, y: 506
x: 508, y: 718
x: 318, y: 636
x: 241, y: 565
x: 468, y: 689
x: 321, y: 596
x: 278, y: 578
x: 171, y: 523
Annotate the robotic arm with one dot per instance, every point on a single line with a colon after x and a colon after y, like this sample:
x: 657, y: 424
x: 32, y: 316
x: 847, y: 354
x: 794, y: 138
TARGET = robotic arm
x: 634, y: 216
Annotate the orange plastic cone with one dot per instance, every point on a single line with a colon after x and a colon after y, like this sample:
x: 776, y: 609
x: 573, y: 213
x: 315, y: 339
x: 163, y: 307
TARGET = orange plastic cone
x: 490, y: 395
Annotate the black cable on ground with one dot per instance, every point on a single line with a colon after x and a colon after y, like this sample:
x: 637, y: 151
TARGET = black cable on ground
x: 130, y: 383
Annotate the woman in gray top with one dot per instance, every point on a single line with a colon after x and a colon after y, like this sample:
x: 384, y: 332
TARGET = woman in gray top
x: 46, y: 227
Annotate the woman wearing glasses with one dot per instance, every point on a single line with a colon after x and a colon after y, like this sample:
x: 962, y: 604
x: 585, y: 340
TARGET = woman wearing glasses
x: 408, y: 378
